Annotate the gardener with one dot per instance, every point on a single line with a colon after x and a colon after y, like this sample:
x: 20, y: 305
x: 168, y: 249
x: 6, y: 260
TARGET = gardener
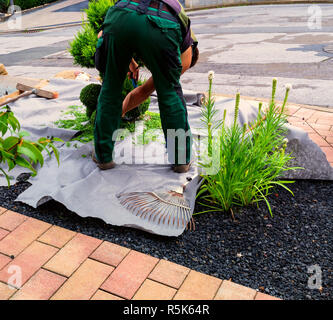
x: 141, y: 93
x: 158, y: 32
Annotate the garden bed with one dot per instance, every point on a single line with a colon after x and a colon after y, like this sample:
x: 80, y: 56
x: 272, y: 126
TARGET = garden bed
x: 269, y: 254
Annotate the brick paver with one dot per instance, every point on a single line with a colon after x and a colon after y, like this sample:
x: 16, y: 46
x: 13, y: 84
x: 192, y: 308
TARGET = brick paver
x: 233, y: 291
x: 5, y: 291
x: 198, y: 286
x: 3, y: 233
x: 151, y: 290
x: 22, y: 236
x: 169, y: 273
x: 130, y: 274
x: 84, y: 282
x: 59, y: 264
x: 102, y: 295
x: 4, y: 260
x: 69, y: 258
x: 110, y: 253
x: 41, y: 286
x: 10, y: 220
x: 263, y: 296
x: 57, y: 236
x: 319, y: 126
x: 28, y: 262
x: 329, y: 153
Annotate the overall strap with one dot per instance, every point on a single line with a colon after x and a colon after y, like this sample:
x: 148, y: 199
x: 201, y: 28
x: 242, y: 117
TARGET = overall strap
x: 160, y: 8
x: 123, y: 4
x: 143, y: 6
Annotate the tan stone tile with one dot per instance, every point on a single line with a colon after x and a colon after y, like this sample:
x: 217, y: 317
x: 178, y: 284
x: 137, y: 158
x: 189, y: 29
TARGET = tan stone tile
x: 102, y: 295
x: 151, y: 290
x: 198, y: 286
x: 110, y: 253
x: 41, y: 286
x: 22, y: 236
x: 169, y: 273
x: 130, y: 274
x: 69, y: 257
x: 57, y: 236
x: 84, y: 282
x: 233, y: 291
x: 28, y: 262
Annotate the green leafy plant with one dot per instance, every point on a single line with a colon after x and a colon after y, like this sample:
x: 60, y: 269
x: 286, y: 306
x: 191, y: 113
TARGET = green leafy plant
x: 83, y: 47
x: 89, y: 98
x: 76, y: 119
x: 249, y: 159
x: 16, y: 150
x: 4, y: 4
x: 97, y: 11
x: 27, y: 4
x: 142, y: 108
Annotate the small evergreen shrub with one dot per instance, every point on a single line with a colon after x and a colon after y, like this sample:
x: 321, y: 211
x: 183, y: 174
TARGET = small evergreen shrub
x: 89, y: 98
x: 4, y: 4
x: 27, y: 4
x: 83, y: 47
x: 97, y: 11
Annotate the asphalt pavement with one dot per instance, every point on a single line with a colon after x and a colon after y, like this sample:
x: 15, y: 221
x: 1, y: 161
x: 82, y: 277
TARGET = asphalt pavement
x: 246, y: 46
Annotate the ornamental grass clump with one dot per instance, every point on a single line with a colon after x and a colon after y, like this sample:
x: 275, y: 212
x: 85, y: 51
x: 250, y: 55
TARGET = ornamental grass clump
x: 251, y: 158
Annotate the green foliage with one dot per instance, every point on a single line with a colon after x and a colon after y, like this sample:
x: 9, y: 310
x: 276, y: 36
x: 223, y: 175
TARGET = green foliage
x: 27, y: 4
x: 16, y: 150
x: 142, y: 108
x: 152, y: 122
x: 4, y: 4
x: 76, y: 119
x: 89, y: 96
x: 97, y: 11
x: 247, y: 161
x: 83, y: 47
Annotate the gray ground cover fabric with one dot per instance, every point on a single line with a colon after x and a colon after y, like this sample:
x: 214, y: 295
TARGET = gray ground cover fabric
x: 88, y: 191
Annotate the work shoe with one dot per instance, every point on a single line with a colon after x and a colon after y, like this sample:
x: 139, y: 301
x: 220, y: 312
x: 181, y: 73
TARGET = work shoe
x: 181, y: 168
x: 103, y: 166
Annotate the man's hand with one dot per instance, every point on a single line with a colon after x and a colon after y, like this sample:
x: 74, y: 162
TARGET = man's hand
x: 134, y: 70
x: 100, y: 34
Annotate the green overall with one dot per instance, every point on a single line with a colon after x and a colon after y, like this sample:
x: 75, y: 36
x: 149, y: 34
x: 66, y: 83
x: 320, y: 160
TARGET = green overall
x: 157, y: 42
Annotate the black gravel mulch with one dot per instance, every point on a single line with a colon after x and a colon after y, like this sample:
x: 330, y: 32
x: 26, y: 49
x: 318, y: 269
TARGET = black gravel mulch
x: 269, y: 254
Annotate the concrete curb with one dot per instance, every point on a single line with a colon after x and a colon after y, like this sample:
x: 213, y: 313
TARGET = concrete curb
x: 39, y: 29
x: 4, y: 17
x: 41, y: 6
x: 317, y: 108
